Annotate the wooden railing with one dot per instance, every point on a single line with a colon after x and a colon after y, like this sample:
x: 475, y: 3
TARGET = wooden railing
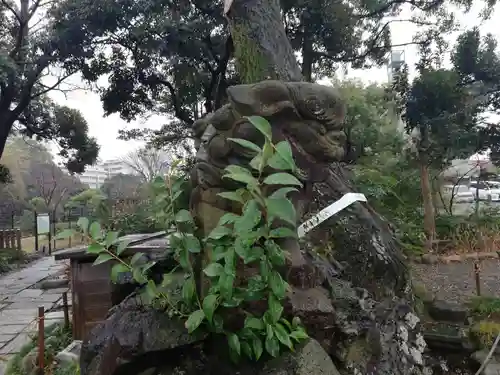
x: 10, y: 239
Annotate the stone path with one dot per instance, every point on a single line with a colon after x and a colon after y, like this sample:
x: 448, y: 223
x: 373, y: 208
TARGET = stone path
x: 19, y: 304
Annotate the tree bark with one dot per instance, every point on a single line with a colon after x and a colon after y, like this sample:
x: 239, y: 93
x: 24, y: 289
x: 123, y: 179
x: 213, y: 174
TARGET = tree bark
x: 367, y: 245
x: 429, y: 214
x: 261, y: 47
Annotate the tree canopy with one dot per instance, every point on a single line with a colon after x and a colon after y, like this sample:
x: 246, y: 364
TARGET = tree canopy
x: 32, y: 53
x: 177, y: 58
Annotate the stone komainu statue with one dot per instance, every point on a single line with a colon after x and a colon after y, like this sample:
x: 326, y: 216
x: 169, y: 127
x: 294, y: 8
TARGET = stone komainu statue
x: 357, y: 312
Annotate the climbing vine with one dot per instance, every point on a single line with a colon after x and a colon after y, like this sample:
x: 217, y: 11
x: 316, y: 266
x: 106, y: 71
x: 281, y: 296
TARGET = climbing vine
x: 248, y: 240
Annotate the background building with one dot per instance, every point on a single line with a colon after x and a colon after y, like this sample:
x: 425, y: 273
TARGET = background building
x: 95, y: 175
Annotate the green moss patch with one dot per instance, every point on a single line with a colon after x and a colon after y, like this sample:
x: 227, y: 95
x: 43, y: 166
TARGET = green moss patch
x: 484, y: 333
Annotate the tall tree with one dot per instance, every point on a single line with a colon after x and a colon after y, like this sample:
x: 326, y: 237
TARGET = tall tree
x: 177, y: 58
x: 32, y: 53
x: 148, y: 163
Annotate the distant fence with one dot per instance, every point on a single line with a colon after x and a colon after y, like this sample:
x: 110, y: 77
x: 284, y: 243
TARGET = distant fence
x: 23, y: 223
x: 10, y: 239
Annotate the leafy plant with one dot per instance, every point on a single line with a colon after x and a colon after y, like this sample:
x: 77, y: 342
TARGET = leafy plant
x: 211, y: 298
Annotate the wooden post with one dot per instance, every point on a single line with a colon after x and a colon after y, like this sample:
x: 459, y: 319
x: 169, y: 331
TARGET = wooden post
x: 18, y: 240
x: 1, y: 239
x: 41, y: 340
x: 477, y: 271
x: 66, y: 310
x: 36, y: 232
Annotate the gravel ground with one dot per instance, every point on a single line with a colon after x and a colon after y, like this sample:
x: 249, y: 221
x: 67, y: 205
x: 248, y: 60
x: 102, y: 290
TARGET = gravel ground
x: 455, y: 282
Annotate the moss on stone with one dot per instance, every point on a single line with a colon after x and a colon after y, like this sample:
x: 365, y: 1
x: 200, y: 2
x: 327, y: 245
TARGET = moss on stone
x: 484, y: 333
x: 251, y: 63
x: 358, y: 352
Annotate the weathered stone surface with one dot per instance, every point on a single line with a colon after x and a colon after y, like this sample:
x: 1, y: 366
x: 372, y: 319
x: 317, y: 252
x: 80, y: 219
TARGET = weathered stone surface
x: 493, y: 366
x: 14, y: 345
x: 448, y: 312
x: 132, y: 330
x: 307, y: 359
x: 429, y: 259
x: 71, y: 353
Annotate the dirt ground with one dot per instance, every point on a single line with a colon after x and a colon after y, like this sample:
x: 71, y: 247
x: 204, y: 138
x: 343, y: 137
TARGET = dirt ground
x: 455, y: 282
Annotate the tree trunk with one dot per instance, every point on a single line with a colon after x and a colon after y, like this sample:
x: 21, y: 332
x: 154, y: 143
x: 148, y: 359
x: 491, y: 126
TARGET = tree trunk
x: 261, y: 47
x: 263, y: 51
x: 429, y: 214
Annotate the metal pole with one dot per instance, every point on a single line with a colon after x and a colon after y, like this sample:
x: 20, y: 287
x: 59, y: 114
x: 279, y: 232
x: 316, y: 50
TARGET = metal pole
x: 36, y: 232
x: 41, y: 340
x: 477, y: 271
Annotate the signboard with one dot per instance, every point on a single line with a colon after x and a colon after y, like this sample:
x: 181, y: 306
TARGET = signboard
x: 43, y: 223
x: 329, y: 211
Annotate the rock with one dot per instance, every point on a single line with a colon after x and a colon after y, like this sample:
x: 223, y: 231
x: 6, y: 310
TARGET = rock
x: 448, y: 312
x: 307, y: 359
x: 52, y: 284
x: 71, y: 353
x: 493, y: 366
x: 29, y: 362
x: 429, y: 259
x: 131, y: 331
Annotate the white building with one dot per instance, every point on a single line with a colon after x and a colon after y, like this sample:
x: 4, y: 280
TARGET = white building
x: 95, y: 175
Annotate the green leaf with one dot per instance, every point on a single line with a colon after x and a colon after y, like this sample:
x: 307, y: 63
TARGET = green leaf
x: 277, y: 284
x: 95, y: 248
x: 166, y: 280
x: 194, y: 320
x: 111, y: 238
x: 226, y: 286
x: 188, y: 290
x: 283, y: 157
x: 139, y: 276
x: 219, y: 232
x: 230, y: 262
x: 151, y: 289
x: 183, y: 216
x: 95, y: 230
x: 281, y: 208
x: 247, y: 144
x: 191, y: 243
x: 240, y: 177
x: 83, y: 224
x: 135, y: 258
x: 122, y: 246
x: 237, y: 169
x: 282, y: 192
x: 254, y: 323
x: 282, y: 233
x: 250, y: 218
x: 267, y: 153
x: 214, y: 270
x: 272, y: 346
x: 102, y: 258
x: 262, y: 125
x: 257, y: 347
x: 275, y: 254
x: 228, y: 218
x: 282, y: 335
x: 67, y: 233
x: 299, y: 335
x: 264, y: 269
x: 232, y: 195
x: 117, y: 269
x: 234, y: 343
x: 209, y: 306
x: 256, y: 162
x: 282, y: 179
x: 246, y: 349
x: 275, y: 309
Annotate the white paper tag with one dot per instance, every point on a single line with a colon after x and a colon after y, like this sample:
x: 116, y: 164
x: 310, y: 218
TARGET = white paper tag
x: 329, y: 211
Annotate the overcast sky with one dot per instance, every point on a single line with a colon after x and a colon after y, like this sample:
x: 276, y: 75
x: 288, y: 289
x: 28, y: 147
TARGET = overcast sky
x: 105, y: 129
